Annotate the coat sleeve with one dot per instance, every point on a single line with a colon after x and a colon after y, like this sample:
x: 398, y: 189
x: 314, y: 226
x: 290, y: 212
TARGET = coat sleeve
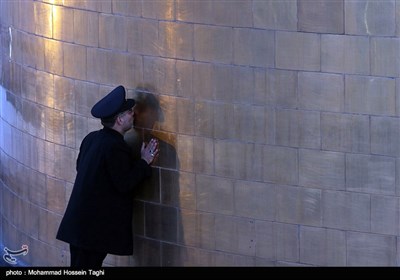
x: 84, y: 148
x: 125, y: 172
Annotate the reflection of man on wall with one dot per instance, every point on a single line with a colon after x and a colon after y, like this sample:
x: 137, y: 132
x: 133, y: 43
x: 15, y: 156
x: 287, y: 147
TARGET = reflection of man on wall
x: 147, y: 113
x: 156, y: 212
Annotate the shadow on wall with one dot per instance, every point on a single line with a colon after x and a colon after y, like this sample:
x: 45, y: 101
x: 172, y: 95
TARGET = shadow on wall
x: 157, y: 221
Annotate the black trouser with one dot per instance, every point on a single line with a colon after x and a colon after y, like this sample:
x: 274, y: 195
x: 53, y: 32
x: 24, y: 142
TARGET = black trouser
x: 82, y: 258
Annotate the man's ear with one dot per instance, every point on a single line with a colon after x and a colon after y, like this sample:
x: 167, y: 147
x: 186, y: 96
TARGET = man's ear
x: 119, y: 120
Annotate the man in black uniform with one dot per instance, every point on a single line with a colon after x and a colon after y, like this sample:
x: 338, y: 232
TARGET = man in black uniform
x: 98, y: 218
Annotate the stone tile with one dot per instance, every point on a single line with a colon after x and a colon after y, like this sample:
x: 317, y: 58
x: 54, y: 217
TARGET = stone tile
x: 281, y: 165
x: 203, y: 155
x: 176, y: 40
x: 322, y: 247
x: 397, y: 176
x: 86, y: 28
x: 54, y: 57
x: 143, y: 36
x: 37, y: 191
x: 70, y: 135
x: 281, y: 88
x: 159, y: 10
x: 86, y: 95
x: 55, y: 131
x: 277, y: 241
x: 346, y: 210
x: 321, y: 169
x: 299, y: 205
x: 397, y: 97
x: 98, y: 6
x: 223, y: 114
x: 259, y: 53
x: 384, y: 135
x: 298, y: 51
x: 32, y: 221
x: 129, y: 8
x: 75, y: 62
x: 203, y: 119
x: 244, y: 86
x: 187, y: 191
x: 364, y: 249
x: 64, y: 169
x: 397, y: 249
x: 113, y: 32
x: 184, y: 73
x: 384, y: 57
x: 213, y: 43
x: 160, y: 73
x: 147, y: 251
x: 370, y: 174
x: 214, y: 194
x: 224, y: 166
x: 204, y: 82
x: 33, y: 51
x: 321, y: 16
x: 385, y: 214
x: 370, y: 17
x: 296, y: 128
x: 253, y: 162
x: 45, y: 89
x: 170, y: 112
x: 26, y: 15
x: 198, y: 229
x: 161, y: 222
x: 232, y: 13
x: 225, y: 83
x: 185, y: 151
x: 63, y: 24
x: 96, y: 65
x: 250, y: 123
x: 370, y: 95
x: 43, y: 19
x: 262, y: 197
x: 170, y: 188
x: 276, y: 15
x: 345, y: 132
x: 320, y: 91
x: 32, y: 116
x: 345, y: 54
x: 14, y: 46
x: 236, y: 235
x: 397, y: 17
x: 64, y: 90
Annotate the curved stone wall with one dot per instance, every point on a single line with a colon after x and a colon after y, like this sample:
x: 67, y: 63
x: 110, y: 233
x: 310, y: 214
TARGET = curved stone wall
x: 280, y: 126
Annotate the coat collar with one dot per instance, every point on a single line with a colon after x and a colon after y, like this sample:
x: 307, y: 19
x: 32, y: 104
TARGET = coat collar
x: 112, y: 131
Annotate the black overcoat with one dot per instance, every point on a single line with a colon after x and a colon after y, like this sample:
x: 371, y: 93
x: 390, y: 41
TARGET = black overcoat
x: 99, y: 213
